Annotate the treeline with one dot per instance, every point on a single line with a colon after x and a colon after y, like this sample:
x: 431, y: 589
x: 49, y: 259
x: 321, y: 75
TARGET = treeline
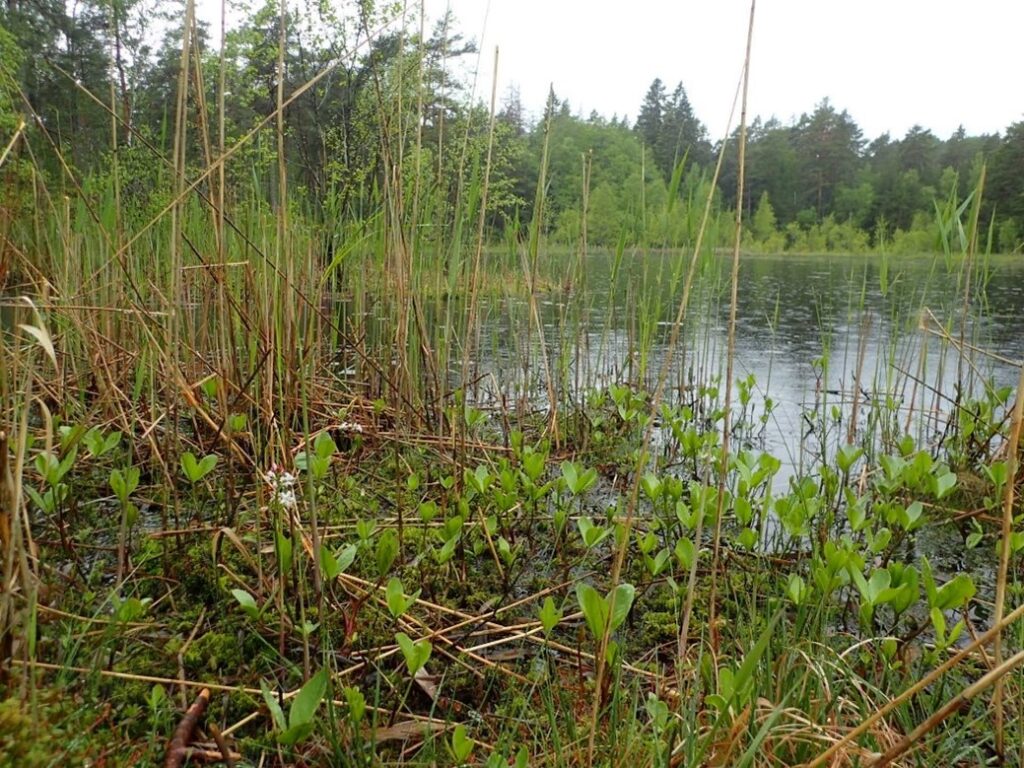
x: 97, y: 83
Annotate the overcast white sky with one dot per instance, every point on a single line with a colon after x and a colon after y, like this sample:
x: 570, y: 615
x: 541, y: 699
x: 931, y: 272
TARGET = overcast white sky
x: 890, y: 63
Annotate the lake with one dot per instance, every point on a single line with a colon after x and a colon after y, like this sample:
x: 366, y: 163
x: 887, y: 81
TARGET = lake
x: 793, y: 314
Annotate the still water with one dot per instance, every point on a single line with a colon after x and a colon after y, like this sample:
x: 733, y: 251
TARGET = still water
x: 808, y: 329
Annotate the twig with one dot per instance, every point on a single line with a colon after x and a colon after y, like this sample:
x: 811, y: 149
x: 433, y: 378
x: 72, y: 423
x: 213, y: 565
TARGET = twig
x: 222, y: 745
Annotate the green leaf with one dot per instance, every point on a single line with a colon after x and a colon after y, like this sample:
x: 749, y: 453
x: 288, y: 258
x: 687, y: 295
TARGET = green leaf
x: 398, y: 602
x: 847, y: 457
x: 416, y: 654
x: 938, y: 624
x: 655, y: 565
x: 619, y: 602
x: 124, y: 482
x: 65, y: 464
x: 930, y: 590
x: 387, y: 552
x: 592, y: 534
x: 796, y: 589
x: 944, y: 484
x: 876, y: 586
x: 912, y: 515
x: 461, y: 744
x: 997, y: 473
x: 44, y: 503
x: 685, y: 553
x: 651, y: 485
x: 276, y: 714
x: 570, y: 475
x: 356, y: 704
x: 444, y: 554
x: 955, y: 592
x: 346, y: 556
x: 46, y: 465
x: 196, y: 469
x: 324, y: 446
x: 295, y: 733
x: 745, y: 674
x: 549, y: 615
x: 328, y: 563
x: 248, y: 603
x: 595, y: 611
x: 333, y: 564
x: 284, y: 552
x: 747, y: 538
x: 308, y: 699
x: 428, y: 510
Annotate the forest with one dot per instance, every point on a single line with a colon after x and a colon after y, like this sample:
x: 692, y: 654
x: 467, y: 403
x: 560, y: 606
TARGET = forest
x: 354, y: 414
x: 75, y: 73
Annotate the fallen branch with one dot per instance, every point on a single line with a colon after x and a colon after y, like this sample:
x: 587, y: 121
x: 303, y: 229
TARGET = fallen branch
x: 178, y: 749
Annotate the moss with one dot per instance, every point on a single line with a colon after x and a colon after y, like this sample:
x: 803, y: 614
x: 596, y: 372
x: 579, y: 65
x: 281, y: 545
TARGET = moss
x: 216, y: 651
x: 656, y: 628
x: 21, y: 737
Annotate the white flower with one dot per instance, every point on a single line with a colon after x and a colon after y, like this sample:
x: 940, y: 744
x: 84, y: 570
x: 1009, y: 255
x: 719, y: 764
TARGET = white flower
x: 350, y: 426
x: 287, y: 480
x: 286, y: 498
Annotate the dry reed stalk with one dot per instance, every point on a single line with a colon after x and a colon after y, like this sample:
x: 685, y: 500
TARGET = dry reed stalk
x: 917, y: 687
x: 958, y: 702
x: 14, y: 140
x: 1005, y: 550
x: 960, y: 345
x: 723, y: 468
x: 862, y: 344
x: 474, y: 285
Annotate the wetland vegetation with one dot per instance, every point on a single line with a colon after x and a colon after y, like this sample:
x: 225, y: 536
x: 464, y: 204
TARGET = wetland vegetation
x: 349, y: 421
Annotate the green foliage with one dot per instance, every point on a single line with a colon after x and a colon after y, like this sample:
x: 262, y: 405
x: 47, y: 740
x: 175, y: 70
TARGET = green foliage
x: 299, y: 724
x: 416, y: 653
x: 195, y: 469
x: 608, y: 611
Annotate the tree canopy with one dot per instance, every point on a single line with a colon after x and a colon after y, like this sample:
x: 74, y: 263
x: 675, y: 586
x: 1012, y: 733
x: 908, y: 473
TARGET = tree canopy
x: 401, y: 98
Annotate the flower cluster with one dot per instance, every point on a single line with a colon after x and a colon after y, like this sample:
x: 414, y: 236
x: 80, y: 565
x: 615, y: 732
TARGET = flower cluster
x: 350, y: 426
x: 283, y: 486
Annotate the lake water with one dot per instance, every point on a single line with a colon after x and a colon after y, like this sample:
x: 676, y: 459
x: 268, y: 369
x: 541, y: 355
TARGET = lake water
x: 793, y: 313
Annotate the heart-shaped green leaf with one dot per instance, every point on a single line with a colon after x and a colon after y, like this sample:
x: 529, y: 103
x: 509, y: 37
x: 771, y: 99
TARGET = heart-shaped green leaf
x: 196, y: 469
x: 549, y: 615
x: 416, y: 654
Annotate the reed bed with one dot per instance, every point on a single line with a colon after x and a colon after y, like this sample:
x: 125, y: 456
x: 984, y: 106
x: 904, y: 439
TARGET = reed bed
x: 286, y: 486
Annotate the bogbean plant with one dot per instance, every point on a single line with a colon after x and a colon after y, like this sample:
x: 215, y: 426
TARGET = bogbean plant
x: 845, y: 541
x: 60, y: 468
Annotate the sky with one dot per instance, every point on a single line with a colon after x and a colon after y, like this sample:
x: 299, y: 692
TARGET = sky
x: 890, y: 63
